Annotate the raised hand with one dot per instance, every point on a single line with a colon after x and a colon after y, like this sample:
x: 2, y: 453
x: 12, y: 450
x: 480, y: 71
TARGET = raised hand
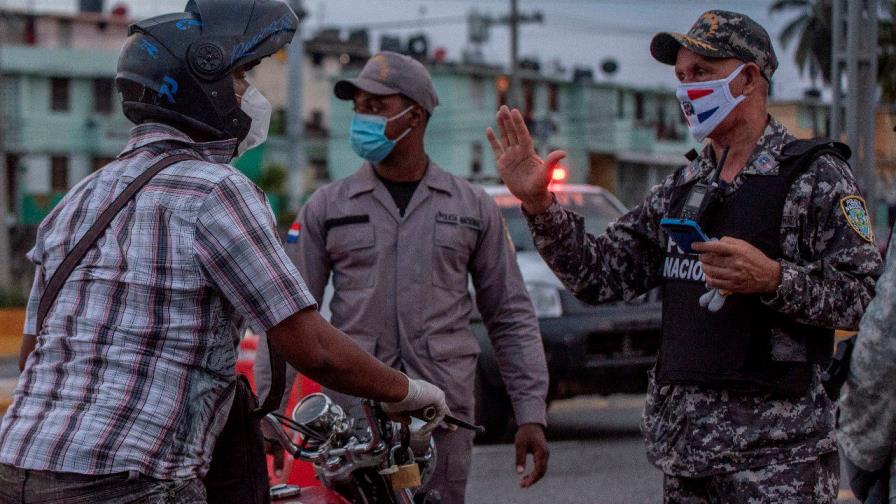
x: 525, y: 174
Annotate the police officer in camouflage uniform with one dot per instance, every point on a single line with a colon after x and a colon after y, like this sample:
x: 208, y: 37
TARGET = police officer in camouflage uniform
x: 735, y: 409
x: 866, y: 427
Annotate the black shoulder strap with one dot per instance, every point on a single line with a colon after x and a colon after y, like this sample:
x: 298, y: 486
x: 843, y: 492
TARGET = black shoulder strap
x: 278, y: 383
x: 71, y: 261
x: 74, y: 257
x: 797, y: 156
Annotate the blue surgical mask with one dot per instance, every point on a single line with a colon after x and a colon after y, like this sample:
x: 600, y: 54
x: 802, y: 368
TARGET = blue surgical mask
x: 368, y: 136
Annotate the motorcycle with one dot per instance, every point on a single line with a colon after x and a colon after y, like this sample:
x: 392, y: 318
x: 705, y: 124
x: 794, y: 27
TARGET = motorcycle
x: 367, y: 458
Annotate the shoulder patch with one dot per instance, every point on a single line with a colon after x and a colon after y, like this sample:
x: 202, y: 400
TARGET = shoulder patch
x: 294, y: 231
x: 856, y: 214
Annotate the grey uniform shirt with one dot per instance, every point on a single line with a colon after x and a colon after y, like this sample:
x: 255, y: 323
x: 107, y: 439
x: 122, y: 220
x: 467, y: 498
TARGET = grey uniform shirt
x: 400, y: 283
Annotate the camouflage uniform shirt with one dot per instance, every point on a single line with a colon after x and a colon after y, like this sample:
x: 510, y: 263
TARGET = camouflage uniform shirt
x: 867, y: 422
x: 828, y: 275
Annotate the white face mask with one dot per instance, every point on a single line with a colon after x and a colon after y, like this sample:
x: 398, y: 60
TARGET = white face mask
x: 707, y: 104
x: 257, y: 107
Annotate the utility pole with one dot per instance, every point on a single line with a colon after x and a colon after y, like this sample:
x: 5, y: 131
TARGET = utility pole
x: 514, y: 98
x: 854, y: 56
x: 480, y: 25
x: 514, y: 20
x: 5, y: 252
x: 295, y: 121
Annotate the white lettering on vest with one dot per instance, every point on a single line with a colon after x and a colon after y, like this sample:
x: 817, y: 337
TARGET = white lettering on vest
x: 683, y: 268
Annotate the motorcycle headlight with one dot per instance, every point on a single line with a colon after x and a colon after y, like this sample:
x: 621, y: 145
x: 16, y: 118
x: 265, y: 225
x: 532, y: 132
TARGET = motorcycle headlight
x: 546, y: 300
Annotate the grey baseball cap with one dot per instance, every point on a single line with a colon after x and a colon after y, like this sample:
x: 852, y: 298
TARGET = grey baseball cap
x: 388, y: 73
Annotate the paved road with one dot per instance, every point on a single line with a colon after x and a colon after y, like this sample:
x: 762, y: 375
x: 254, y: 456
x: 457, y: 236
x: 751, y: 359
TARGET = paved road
x: 597, y: 457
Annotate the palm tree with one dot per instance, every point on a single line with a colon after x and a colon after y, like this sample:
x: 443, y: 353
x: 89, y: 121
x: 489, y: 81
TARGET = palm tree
x: 812, y: 30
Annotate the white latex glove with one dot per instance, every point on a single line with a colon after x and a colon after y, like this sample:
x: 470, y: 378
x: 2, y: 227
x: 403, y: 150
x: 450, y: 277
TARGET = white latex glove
x: 713, y: 300
x: 421, y: 394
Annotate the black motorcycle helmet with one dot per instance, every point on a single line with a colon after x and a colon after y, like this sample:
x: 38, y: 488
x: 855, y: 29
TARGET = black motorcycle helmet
x: 176, y: 68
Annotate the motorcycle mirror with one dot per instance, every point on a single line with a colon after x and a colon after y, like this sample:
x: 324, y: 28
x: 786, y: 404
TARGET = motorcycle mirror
x: 320, y: 415
x: 311, y: 408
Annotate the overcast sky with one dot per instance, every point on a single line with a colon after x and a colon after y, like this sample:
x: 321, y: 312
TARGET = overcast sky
x: 575, y: 32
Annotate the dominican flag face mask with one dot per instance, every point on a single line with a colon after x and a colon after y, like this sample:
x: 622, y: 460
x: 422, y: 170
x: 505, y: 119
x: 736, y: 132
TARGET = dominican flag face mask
x: 707, y: 104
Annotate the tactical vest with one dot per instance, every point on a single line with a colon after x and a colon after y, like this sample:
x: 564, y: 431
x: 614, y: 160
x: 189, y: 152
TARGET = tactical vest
x: 731, y: 349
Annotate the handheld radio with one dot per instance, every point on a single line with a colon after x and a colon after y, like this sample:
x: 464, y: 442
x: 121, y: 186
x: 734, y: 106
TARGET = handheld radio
x: 685, y: 229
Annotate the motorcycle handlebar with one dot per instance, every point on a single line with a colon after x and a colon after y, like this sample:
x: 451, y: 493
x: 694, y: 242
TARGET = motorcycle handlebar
x: 429, y: 413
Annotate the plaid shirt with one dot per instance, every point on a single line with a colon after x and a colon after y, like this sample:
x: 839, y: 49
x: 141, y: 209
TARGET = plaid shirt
x: 134, y: 367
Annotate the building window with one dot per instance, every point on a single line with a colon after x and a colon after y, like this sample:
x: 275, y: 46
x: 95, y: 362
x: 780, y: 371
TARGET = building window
x: 278, y: 122
x: 319, y: 172
x: 12, y: 181
x: 476, y: 158
x: 64, y: 32
x: 639, y: 106
x: 59, y: 99
x: 528, y: 99
x: 99, y: 162
x: 102, y: 95
x: 477, y: 91
x: 9, y: 96
x: 317, y: 121
x: 59, y: 174
x: 30, y: 37
x: 620, y: 104
x: 553, y: 97
x: 502, y: 85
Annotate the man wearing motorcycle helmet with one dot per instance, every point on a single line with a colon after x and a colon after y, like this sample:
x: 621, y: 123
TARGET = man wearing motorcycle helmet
x: 127, y: 383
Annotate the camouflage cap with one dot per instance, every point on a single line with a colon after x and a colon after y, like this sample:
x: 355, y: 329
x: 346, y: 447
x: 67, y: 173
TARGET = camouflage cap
x: 720, y: 34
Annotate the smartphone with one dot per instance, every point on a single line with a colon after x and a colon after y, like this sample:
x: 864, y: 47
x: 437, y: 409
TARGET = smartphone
x: 684, y: 232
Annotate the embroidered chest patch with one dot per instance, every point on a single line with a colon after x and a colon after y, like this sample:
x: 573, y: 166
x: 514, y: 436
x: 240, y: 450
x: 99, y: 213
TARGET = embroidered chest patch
x: 459, y: 220
x: 857, y: 216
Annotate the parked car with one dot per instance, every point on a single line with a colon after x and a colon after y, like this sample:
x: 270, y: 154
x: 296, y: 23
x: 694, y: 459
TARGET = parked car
x: 604, y: 349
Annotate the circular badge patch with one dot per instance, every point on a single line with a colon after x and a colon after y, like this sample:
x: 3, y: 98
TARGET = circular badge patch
x: 856, y: 214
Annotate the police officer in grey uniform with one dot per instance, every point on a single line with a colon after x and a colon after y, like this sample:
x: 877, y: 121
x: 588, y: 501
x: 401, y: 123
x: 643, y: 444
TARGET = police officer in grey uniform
x: 866, y: 426
x: 400, y: 238
x: 735, y: 408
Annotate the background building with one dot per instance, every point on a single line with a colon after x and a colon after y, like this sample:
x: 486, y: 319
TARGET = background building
x: 63, y: 118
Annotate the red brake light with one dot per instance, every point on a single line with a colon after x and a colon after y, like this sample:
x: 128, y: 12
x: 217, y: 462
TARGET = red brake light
x: 558, y: 174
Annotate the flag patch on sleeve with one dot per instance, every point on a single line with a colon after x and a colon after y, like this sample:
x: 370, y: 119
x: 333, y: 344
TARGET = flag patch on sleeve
x: 294, y: 231
x: 856, y: 214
